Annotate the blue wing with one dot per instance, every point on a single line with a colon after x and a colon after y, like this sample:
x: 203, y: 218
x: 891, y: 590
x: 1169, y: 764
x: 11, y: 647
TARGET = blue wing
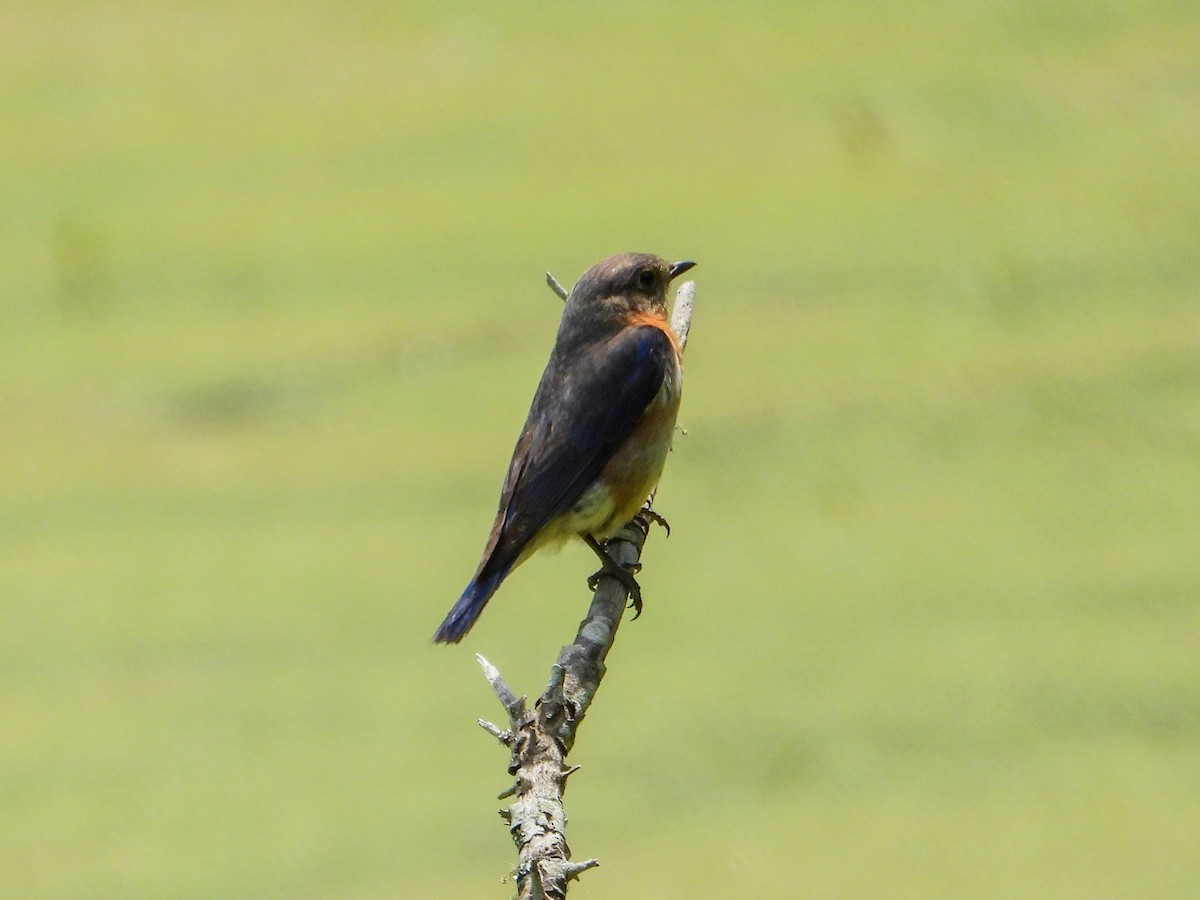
x: 585, y: 407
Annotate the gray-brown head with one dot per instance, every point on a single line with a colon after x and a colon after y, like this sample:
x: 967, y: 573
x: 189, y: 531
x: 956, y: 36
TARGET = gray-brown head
x: 614, y: 289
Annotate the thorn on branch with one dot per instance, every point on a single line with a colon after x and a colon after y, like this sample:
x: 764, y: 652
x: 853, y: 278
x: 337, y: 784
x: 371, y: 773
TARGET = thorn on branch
x: 513, y: 705
x: 504, y: 737
x: 574, y: 870
x: 556, y: 287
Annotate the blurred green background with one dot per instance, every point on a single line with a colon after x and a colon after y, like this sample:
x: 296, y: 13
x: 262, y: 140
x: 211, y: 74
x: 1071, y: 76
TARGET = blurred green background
x: 271, y: 286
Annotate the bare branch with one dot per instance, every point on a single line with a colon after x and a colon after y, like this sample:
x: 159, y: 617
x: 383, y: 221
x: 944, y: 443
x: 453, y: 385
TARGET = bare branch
x: 556, y: 287
x: 681, y: 315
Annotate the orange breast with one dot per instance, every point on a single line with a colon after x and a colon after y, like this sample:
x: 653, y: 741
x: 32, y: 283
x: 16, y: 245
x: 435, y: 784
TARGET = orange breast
x: 659, y: 322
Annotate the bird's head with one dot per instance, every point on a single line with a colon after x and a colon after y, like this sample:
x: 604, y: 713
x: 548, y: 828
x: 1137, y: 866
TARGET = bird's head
x: 625, y: 284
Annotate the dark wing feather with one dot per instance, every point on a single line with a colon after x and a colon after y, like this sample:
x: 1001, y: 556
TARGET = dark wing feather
x: 584, y: 409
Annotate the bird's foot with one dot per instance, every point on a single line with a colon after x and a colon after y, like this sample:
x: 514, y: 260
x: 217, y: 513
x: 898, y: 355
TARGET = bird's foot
x: 610, y: 566
x: 625, y: 576
x: 650, y: 515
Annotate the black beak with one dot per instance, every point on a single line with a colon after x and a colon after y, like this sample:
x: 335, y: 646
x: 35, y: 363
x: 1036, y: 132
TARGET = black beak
x: 680, y: 267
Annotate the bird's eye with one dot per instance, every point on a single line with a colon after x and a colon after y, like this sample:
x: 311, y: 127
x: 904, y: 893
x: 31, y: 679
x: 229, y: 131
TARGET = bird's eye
x: 646, y: 279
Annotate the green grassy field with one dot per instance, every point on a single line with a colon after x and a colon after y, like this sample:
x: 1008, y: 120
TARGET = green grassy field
x: 928, y: 624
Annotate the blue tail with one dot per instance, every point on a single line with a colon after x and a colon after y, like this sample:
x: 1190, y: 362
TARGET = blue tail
x: 460, y: 619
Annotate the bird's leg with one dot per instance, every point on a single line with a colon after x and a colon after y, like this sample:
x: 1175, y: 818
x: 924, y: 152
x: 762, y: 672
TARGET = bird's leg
x: 609, y: 566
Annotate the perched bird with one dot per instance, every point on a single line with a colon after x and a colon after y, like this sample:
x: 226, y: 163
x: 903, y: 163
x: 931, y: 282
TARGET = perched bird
x: 598, y: 431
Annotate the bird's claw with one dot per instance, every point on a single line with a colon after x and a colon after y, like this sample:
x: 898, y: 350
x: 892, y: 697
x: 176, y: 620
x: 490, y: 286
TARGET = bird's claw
x: 651, y: 516
x: 625, y: 576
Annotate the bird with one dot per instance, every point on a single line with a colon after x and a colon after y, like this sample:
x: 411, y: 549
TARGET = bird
x: 598, y: 431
